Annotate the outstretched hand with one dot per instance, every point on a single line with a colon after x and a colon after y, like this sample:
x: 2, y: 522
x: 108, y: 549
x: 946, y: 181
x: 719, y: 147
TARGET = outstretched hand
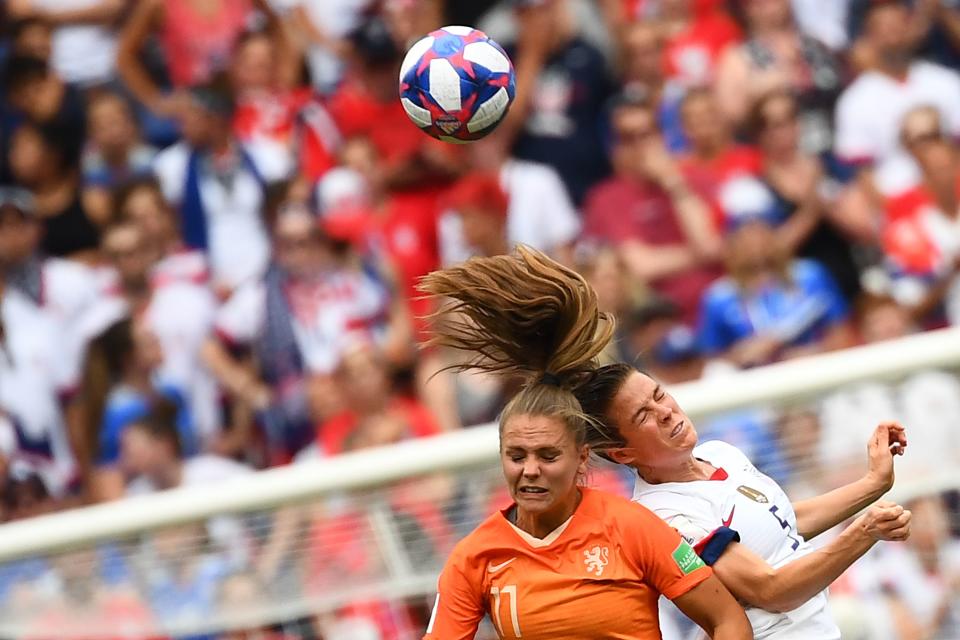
x: 889, y: 439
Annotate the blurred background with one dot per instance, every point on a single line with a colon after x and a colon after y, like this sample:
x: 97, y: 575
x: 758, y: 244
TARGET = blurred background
x: 213, y: 215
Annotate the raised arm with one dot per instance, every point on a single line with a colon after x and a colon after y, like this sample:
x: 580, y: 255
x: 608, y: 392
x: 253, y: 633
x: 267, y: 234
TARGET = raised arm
x: 818, y: 514
x: 146, y: 17
x: 752, y: 580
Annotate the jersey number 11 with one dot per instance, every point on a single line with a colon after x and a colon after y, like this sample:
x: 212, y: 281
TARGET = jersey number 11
x: 511, y: 592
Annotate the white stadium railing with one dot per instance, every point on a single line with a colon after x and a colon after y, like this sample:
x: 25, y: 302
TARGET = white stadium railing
x: 363, y: 481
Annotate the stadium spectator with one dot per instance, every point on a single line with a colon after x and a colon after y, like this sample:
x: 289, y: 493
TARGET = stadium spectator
x: 34, y: 92
x: 770, y: 306
x: 114, y: 153
x: 366, y: 106
x: 198, y: 40
x: 522, y: 203
x: 84, y: 38
x: 65, y: 289
x: 812, y: 227
x: 141, y: 202
x: 776, y: 55
x: 695, y: 39
x: 297, y: 319
x: 661, y: 228
x: 219, y: 185
x: 31, y: 37
x: 135, y: 283
x: 871, y: 108
x: 642, y: 71
x: 919, y: 239
x: 45, y: 159
x: 375, y: 414
x: 324, y: 26
x: 36, y: 377
x: 558, y: 120
x: 119, y: 388
x: 713, y: 157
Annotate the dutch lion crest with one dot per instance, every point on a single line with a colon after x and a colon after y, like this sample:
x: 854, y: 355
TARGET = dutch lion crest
x: 595, y: 559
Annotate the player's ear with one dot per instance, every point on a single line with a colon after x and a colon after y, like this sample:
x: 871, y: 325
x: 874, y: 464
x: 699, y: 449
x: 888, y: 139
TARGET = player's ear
x: 621, y: 455
x: 584, y: 454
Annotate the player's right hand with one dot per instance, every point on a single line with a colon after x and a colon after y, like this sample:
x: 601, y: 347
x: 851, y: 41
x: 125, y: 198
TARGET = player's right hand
x: 886, y: 521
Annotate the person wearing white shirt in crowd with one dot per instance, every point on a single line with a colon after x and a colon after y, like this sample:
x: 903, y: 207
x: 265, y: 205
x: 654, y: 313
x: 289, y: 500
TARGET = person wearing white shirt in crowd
x: 178, y: 310
x: 65, y: 289
x: 870, y: 109
x: 34, y: 376
x: 323, y: 24
x: 298, y: 319
x: 84, y: 40
x: 218, y: 185
x: 536, y: 211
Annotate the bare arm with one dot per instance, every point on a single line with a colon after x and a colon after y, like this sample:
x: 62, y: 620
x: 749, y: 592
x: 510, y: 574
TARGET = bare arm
x: 692, y: 212
x: 818, y: 514
x: 288, y: 57
x: 236, y: 378
x: 649, y: 262
x: 752, y: 580
x: 695, y: 219
x: 711, y: 606
x: 103, y: 12
x: 146, y: 17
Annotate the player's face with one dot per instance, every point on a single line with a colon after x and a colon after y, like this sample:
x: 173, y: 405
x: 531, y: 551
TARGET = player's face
x: 657, y: 432
x: 541, y: 463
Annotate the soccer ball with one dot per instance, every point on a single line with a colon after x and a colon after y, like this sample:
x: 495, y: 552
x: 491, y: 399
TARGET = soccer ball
x: 456, y: 84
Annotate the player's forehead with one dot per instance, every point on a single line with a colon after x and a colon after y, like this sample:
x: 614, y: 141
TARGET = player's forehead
x: 528, y: 432
x: 636, y: 390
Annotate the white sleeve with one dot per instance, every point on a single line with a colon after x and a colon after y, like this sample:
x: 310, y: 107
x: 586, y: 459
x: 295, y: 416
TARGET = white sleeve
x: 241, y: 317
x: 693, y: 516
x: 854, y: 139
x: 170, y: 167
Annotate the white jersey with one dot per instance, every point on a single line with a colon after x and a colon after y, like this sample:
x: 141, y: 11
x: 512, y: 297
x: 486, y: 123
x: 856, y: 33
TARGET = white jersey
x: 743, y: 499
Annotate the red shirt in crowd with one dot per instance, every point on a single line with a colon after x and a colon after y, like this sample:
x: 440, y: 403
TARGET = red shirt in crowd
x: 199, y: 44
x: 621, y: 209
x: 707, y: 177
x: 691, y: 56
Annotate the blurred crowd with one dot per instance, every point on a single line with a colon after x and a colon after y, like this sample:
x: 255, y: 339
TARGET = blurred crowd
x: 214, y: 213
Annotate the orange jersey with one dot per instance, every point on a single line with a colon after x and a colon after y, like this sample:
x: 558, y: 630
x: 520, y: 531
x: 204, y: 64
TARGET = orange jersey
x: 597, y: 576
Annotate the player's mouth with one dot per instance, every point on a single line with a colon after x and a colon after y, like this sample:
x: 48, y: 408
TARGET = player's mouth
x: 532, y: 491
x: 677, y: 430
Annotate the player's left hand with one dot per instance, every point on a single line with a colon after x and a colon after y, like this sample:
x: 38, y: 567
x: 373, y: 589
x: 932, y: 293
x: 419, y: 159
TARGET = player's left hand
x: 889, y: 439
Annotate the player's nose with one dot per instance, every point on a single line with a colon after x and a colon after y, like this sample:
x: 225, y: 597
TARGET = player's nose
x: 531, y: 468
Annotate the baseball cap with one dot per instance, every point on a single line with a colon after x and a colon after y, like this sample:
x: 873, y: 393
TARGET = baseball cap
x: 19, y: 199
x: 479, y: 190
x: 374, y: 43
x: 746, y: 199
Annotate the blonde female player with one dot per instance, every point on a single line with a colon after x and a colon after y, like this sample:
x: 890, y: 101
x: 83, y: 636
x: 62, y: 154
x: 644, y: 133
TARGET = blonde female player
x: 738, y: 519
x: 564, y: 562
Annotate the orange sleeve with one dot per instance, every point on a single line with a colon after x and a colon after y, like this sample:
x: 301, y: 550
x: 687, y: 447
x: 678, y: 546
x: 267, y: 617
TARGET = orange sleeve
x: 668, y: 562
x: 458, y: 609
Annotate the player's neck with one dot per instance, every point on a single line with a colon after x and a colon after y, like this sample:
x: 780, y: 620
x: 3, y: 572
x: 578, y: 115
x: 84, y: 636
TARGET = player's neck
x: 688, y: 470
x: 540, y: 525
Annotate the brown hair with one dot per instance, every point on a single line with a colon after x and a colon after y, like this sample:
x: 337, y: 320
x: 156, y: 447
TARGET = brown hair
x: 527, y: 315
